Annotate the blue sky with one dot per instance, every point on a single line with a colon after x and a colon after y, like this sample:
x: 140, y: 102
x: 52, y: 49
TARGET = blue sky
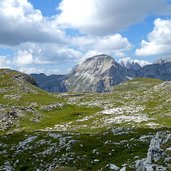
x: 52, y: 36
x: 47, y: 7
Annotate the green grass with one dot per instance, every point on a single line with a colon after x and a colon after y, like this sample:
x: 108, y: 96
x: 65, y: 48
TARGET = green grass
x: 42, y: 98
x: 127, y: 94
x: 64, y: 115
x: 108, y: 146
x: 137, y: 92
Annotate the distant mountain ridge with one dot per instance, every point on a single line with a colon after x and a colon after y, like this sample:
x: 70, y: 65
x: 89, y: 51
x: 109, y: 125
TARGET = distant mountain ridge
x: 160, y: 71
x: 51, y: 83
x: 100, y: 73
x: 163, y: 60
x: 130, y: 65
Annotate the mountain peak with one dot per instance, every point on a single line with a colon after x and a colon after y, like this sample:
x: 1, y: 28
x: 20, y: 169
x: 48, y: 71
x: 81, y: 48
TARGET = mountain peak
x: 128, y: 64
x: 163, y: 60
x: 97, y: 64
x: 96, y: 74
x: 101, y: 57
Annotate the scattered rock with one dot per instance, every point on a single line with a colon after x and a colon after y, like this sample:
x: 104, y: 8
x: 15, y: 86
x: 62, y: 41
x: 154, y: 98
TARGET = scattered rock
x: 23, y: 144
x: 123, y: 169
x: 52, y: 107
x: 112, y: 167
x: 154, y: 155
x: 12, y: 96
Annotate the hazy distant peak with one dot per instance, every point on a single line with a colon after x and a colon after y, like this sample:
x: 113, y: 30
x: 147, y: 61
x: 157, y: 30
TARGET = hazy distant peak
x: 130, y: 65
x: 163, y: 60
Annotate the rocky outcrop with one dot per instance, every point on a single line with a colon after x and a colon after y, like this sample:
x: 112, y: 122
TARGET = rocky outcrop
x: 156, y: 155
x: 25, y: 78
x: 112, y: 167
x: 16, y: 75
x: 10, y: 115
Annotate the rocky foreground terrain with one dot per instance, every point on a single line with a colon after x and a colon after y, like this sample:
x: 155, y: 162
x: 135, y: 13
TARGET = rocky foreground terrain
x: 126, y: 129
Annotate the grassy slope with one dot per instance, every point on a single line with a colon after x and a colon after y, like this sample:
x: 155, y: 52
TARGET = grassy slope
x: 36, y: 98
x: 94, y: 135
x: 134, y: 93
x: 140, y: 93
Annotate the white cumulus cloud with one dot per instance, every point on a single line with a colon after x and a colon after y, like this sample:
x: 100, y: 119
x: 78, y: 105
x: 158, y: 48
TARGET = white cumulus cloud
x: 112, y: 44
x: 37, y: 41
x: 158, y: 41
x: 108, y: 16
x: 37, y: 53
x: 4, y: 62
x: 24, y: 58
x: 20, y: 22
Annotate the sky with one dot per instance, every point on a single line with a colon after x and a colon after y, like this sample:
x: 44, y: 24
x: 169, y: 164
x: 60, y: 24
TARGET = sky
x: 52, y: 36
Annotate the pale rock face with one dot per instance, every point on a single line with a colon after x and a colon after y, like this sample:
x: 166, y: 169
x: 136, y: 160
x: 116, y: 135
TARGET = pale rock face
x: 96, y: 74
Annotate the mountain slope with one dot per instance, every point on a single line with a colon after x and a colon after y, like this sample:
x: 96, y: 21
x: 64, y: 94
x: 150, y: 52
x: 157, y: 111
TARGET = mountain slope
x: 96, y: 74
x: 160, y: 71
x: 51, y: 83
x: 23, y: 106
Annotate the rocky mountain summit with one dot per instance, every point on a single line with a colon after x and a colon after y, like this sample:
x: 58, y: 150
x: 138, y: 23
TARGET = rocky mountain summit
x: 96, y: 74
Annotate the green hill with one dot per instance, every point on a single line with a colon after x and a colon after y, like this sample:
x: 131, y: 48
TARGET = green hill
x: 26, y: 107
x: 86, y: 131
